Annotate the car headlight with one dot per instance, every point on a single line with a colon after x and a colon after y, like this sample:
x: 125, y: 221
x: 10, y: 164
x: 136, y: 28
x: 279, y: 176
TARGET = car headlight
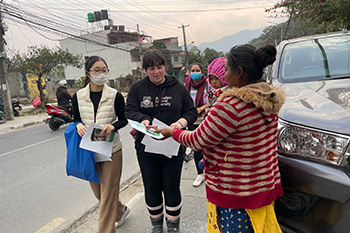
x: 306, y: 142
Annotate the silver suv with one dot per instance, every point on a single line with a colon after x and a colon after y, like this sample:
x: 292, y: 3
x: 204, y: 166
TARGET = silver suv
x: 314, y: 133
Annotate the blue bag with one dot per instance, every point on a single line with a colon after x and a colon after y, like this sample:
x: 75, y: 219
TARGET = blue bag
x: 80, y: 162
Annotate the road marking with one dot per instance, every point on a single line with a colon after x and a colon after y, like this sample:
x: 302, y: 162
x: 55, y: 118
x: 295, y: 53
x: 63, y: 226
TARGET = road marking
x: 51, y: 225
x: 32, y: 145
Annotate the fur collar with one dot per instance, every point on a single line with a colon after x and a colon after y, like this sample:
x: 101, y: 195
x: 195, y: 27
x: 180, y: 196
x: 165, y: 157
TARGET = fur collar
x: 262, y: 95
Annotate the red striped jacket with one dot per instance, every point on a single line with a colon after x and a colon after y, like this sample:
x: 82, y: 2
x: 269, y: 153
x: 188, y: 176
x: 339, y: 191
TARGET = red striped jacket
x: 239, y: 143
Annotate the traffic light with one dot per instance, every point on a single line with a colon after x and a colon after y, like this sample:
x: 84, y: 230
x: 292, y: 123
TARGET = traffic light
x: 97, y: 15
x: 104, y: 14
x: 91, y: 17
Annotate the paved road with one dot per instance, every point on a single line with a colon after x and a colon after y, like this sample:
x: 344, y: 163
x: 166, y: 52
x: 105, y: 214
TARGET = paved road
x: 35, y: 191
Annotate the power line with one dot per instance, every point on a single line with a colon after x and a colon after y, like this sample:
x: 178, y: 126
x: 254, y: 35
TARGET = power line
x: 66, y: 33
x: 59, y: 21
x: 193, y: 11
x: 52, y: 29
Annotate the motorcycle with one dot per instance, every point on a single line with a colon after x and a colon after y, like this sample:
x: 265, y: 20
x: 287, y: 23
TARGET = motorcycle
x: 16, y: 108
x: 2, y: 117
x: 57, y: 116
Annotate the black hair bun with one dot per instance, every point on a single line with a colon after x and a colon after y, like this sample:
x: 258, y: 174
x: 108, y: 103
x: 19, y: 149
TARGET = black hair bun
x: 265, y: 56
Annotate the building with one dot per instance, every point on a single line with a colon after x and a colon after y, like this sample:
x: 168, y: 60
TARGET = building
x: 176, y: 51
x: 121, y: 50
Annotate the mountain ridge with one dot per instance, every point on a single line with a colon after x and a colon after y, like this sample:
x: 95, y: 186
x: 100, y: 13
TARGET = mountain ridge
x: 226, y: 43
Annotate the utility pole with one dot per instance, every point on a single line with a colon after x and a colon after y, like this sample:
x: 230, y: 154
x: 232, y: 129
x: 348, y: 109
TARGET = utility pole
x: 3, y: 79
x: 140, y: 49
x: 185, y: 46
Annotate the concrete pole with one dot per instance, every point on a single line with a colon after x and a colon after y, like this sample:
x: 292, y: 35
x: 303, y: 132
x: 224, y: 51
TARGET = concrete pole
x: 3, y: 78
x: 186, y: 51
x: 140, y: 49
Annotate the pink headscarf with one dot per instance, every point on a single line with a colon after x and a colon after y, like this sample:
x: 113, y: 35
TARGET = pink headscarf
x: 217, y: 68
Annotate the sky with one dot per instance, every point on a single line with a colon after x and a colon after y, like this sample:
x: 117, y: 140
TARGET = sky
x: 38, y: 22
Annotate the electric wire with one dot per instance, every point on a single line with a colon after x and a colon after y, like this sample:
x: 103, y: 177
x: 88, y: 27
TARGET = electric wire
x: 75, y: 36
x: 60, y: 32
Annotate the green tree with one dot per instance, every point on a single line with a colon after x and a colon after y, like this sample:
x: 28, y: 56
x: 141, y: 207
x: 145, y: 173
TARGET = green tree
x: 57, y: 72
x: 205, y: 57
x: 326, y: 15
x: 166, y: 53
x: 194, y: 55
x: 210, y: 55
x: 43, y: 60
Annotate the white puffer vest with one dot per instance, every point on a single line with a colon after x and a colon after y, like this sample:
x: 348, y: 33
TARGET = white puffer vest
x: 105, y: 111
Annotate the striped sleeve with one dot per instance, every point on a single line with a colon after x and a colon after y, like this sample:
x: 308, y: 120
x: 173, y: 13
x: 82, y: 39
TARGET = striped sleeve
x: 221, y: 121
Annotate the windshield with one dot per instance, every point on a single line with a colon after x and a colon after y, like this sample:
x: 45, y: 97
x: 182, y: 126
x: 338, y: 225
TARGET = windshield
x: 317, y: 59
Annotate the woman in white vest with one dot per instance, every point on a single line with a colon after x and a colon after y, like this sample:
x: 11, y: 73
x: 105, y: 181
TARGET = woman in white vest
x: 101, y: 104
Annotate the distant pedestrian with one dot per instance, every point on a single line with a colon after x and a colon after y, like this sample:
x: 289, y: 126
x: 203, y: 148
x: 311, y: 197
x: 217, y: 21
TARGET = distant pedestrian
x: 198, y: 88
x: 99, y: 103
x: 239, y: 140
x: 162, y: 97
x: 63, y: 97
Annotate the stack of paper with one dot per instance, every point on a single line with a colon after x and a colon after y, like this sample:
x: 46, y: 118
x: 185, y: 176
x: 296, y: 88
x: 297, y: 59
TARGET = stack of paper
x: 168, y: 147
x: 101, y: 145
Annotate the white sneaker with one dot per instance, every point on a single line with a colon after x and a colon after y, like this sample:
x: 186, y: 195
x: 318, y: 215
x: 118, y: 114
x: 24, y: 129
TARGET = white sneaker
x: 199, y: 180
x: 121, y: 221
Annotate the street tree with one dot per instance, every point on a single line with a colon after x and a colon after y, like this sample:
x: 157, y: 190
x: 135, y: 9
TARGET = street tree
x: 42, y: 61
x: 210, y: 55
x: 166, y: 53
x: 194, y: 55
x: 57, y: 73
x: 325, y: 15
x: 205, y: 57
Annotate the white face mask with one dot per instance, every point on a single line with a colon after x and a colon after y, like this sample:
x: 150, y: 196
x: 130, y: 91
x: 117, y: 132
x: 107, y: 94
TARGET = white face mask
x: 99, y: 79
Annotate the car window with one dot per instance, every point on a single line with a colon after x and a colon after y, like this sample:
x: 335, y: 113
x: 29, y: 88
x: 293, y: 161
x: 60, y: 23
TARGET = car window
x: 316, y: 59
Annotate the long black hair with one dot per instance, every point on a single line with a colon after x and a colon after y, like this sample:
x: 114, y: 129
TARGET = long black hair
x: 88, y: 64
x: 252, y: 60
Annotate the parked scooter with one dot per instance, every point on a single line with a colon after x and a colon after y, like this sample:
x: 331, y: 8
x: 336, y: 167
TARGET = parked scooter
x: 2, y: 117
x: 16, y: 108
x: 57, y: 116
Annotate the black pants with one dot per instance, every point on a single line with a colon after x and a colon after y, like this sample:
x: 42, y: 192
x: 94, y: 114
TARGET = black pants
x: 161, y: 177
x: 197, y: 155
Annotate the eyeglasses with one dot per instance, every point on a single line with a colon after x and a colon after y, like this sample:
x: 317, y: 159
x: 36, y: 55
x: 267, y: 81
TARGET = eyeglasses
x: 103, y: 71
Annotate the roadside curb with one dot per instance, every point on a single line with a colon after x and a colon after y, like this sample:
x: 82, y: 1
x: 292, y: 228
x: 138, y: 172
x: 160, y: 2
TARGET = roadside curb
x: 20, y: 126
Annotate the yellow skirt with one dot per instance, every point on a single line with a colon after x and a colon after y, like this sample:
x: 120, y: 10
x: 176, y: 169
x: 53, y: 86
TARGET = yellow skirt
x: 263, y: 219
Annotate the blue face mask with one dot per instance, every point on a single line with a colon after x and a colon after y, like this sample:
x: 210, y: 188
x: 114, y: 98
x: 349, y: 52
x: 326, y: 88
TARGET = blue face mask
x: 196, y: 76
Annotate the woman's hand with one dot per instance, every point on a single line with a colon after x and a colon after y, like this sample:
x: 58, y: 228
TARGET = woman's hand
x: 202, y: 109
x: 166, y: 132
x: 81, y: 129
x: 107, y: 129
x: 176, y: 125
x: 146, y: 123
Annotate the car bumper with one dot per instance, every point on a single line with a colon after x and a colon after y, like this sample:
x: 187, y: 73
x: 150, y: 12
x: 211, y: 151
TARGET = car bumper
x: 317, y: 197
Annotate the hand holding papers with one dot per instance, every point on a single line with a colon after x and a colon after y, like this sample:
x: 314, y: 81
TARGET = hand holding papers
x: 100, y: 144
x: 168, y: 147
x: 140, y: 127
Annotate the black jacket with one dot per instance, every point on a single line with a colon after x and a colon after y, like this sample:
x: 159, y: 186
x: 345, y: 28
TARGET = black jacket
x: 143, y: 104
x: 63, y: 97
